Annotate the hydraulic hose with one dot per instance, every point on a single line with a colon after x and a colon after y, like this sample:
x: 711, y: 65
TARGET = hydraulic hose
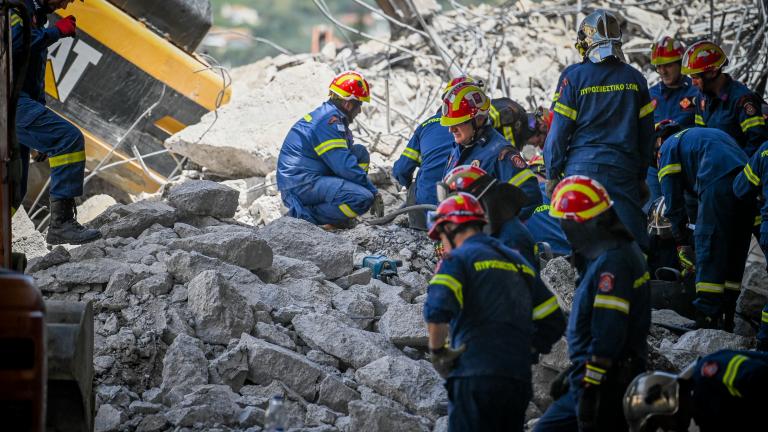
x: 391, y: 216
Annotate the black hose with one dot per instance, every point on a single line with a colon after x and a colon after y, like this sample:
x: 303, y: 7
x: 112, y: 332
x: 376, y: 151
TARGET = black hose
x: 391, y: 216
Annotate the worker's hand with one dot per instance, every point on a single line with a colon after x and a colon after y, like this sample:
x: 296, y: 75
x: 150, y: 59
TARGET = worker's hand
x: 377, y: 209
x: 38, y: 156
x: 67, y: 26
x: 443, y: 359
x: 687, y: 259
x: 550, y: 187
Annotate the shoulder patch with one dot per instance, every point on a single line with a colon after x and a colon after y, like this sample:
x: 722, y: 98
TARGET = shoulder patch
x: 750, y: 109
x: 519, y: 162
x: 606, y: 282
x: 685, y: 103
x: 475, y: 163
x: 709, y: 369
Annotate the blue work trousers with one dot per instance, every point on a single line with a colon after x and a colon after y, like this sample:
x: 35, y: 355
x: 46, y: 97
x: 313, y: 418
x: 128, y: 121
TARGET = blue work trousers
x: 624, y: 190
x: 328, y: 200
x: 723, y: 231
x: 39, y: 128
x: 487, y: 404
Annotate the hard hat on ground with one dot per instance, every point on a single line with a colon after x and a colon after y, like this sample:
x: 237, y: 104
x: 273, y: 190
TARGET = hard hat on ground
x: 599, y: 37
x: 666, y: 50
x: 463, y: 103
x: 458, y: 209
x: 351, y: 85
x: 703, y: 56
x: 579, y: 198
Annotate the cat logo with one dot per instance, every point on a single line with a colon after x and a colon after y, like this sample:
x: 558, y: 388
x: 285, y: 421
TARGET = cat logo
x: 60, y: 83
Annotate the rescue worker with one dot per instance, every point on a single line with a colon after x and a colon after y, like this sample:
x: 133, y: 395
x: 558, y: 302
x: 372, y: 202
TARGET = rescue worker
x: 725, y: 103
x: 543, y: 227
x: 674, y: 96
x: 611, y: 313
x: 319, y: 171
x: 428, y: 149
x: 465, y: 114
x: 722, y: 391
x: 603, y: 127
x: 748, y: 185
x: 517, y: 126
x: 705, y: 161
x: 40, y: 129
x: 481, y: 296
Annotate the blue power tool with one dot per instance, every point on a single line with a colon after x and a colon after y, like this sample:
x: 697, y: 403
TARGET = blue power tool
x: 382, y: 268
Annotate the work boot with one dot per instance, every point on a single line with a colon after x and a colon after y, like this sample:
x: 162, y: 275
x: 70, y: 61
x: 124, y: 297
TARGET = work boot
x: 64, y: 227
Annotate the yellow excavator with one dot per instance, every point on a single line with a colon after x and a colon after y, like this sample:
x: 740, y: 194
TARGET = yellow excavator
x: 128, y: 81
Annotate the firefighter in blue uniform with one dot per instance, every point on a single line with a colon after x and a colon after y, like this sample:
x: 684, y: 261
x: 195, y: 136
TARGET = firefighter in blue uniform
x: 725, y: 104
x: 705, y: 161
x: 610, y: 317
x: 543, y: 227
x: 674, y: 96
x: 722, y: 391
x: 484, y: 295
x: 748, y: 185
x: 603, y: 124
x: 321, y: 174
x: 477, y: 143
x: 40, y: 129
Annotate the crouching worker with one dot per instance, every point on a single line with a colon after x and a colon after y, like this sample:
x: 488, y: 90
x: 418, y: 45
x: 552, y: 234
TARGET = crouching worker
x: 479, y: 312
x: 321, y: 174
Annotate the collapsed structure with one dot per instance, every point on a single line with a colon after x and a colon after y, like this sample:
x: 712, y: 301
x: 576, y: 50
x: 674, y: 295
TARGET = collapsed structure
x: 202, y: 314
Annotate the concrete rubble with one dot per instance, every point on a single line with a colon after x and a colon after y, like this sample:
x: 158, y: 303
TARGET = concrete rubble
x: 209, y: 301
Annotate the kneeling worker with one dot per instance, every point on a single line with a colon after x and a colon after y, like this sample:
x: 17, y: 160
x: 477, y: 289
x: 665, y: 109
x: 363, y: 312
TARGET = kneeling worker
x: 321, y: 174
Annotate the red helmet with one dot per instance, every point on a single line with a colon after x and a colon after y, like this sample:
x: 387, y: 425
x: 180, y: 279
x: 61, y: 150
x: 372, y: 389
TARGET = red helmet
x: 461, y: 179
x: 460, y: 80
x: 703, y: 56
x: 463, y: 103
x: 537, y: 164
x: 458, y: 209
x: 351, y: 85
x: 579, y: 198
x: 666, y: 50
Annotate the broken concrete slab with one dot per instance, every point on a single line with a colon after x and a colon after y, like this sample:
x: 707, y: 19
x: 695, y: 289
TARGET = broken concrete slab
x: 132, y: 219
x: 404, y: 325
x: 203, y: 198
x: 284, y: 267
x: 352, y: 346
x: 336, y: 395
x: 220, y: 312
x: 93, y: 207
x: 230, y: 368
x: 371, y: 418
x: 185, y: 266
x: 241, y: 248
x: 207, y: 405
x: 59, y: 255
x: 27, y: 239
x: 184, y: 366
x: 302, y: 240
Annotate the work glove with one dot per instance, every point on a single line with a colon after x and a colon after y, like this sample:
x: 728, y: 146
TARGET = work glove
x: 589, y: 401
x: 686, y: 257
x: 444, y: 358
x: 550, y: 187
x: 377, y: 209
x: 67, y: 26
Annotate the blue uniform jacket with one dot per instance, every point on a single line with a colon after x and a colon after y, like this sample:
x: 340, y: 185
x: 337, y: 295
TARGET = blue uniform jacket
x: 737, y: 112
x: 515, y: 235
x: 491, y: 152
x: 319, y: 145
x: 611, y: 312
x: 545, y: 228
x: 42, y: 38
x: 692, y: 160
x: 603, y: 116
x: 490, y: 296
x: 753, y: 179
x: 428, y: 149
x: 678, y: 104
x: 729, y: 390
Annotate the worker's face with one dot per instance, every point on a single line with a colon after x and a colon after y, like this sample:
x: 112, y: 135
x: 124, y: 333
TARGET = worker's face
x: 704, y: 81
x: 353, y: 108
x: 462, y: 133
x: 59, y: 4
x: 669, y: 73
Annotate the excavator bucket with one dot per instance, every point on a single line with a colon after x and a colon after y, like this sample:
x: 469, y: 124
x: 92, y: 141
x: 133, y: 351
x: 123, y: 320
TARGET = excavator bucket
x: 70, y: 366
